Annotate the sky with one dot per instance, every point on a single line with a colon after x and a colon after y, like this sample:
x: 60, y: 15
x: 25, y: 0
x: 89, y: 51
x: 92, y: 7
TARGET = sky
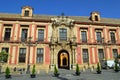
x: 107, y: 8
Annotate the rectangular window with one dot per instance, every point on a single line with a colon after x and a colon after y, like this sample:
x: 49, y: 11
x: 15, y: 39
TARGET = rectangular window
x: 24, y: 34
x: 26, y: 13
x: 40, y: 34
x: 96, y: 18
x: 84, y: 36
x: 63, y: 34
x: 85, y: 55
x: 99, y: 37
x: 100, y: 54
x: 112, y: 36
x: 39, y: 58
x: 115, y: 53
x: 22, y: 55
x: 7, y: 34
x: 4, y: 58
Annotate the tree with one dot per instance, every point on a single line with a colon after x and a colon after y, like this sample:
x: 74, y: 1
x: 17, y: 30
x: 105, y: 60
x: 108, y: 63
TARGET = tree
x: 118, y: 56
x: 98, y: 68
x: 33, y: 75
x: 77, y: 70
x: 7, y: 73
x: 116, y: 68
x: 56, y: 71
x: 3, y: 58
x: 33, y: 70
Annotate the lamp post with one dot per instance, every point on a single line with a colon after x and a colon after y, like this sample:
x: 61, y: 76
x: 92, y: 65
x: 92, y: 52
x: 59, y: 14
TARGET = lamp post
x: 29, y: 43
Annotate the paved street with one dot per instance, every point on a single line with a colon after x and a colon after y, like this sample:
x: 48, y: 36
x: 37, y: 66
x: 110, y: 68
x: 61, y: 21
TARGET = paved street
x: 68, y: 75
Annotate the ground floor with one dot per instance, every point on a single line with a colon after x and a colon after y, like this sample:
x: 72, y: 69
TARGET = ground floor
x: 63, y: 56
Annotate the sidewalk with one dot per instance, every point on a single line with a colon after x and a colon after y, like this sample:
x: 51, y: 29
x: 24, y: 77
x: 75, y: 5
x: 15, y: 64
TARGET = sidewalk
x: 68, y: 75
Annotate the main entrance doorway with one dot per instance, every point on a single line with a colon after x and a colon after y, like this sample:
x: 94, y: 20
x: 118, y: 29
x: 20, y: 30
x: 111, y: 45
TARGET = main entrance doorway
x: 63, y: 59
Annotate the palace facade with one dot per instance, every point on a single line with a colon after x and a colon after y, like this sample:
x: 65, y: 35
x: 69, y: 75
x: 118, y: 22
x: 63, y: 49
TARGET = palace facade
x: 65, y: 41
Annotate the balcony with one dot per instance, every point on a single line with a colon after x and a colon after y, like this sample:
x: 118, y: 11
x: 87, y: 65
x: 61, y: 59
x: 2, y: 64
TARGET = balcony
x: 62, y: 39
x: 84, y: 41
x: 6, y: 38
x: 105, y: 42
x: 19, y: 40
x: 113, y: 41
x: 3, y: 40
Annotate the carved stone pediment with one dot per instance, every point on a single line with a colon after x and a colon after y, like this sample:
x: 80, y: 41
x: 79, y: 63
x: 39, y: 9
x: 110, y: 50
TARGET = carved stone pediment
x: 62, y: 20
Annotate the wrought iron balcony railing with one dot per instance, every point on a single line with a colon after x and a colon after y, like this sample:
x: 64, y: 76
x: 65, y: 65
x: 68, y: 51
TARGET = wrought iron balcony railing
x: 62, y: 39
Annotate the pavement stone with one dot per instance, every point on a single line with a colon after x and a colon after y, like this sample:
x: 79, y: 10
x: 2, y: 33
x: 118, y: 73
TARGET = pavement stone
x: 68, y: 75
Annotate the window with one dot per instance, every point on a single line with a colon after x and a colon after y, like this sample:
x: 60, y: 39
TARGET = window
x: 22, y: 55
x: 115, y: 53
x: 5, y: 56
x: 24, y: 34
x: 85, y: 55
x: 40, y: 34
x: 84, y: 36
x: 100, y: 54
x: 7, y: 34
x: 39, y: 58
x: 98, y: 36
x: 96, y: 18
x: 63, y: 34
x: 112, y: 36
x: 26, y: 13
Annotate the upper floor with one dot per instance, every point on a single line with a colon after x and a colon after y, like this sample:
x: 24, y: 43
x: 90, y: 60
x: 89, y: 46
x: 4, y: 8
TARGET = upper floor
x: 56, y: 29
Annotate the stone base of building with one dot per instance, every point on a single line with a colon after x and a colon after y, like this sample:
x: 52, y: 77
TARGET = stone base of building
x: 44, y: 68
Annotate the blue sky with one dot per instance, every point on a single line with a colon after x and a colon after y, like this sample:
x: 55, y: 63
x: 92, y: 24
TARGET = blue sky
x: 107, y: 8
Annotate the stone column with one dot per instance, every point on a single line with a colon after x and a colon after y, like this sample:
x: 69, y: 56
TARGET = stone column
x: 52, y: 58
x: 73, y: 57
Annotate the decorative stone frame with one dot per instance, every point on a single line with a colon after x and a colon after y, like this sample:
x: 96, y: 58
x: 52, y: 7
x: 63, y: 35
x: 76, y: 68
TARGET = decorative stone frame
x: 27, y: 8
x: 95, y: 16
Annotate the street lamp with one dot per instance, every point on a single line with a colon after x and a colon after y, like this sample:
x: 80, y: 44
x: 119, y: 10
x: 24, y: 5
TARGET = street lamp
x: 29, y: 43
